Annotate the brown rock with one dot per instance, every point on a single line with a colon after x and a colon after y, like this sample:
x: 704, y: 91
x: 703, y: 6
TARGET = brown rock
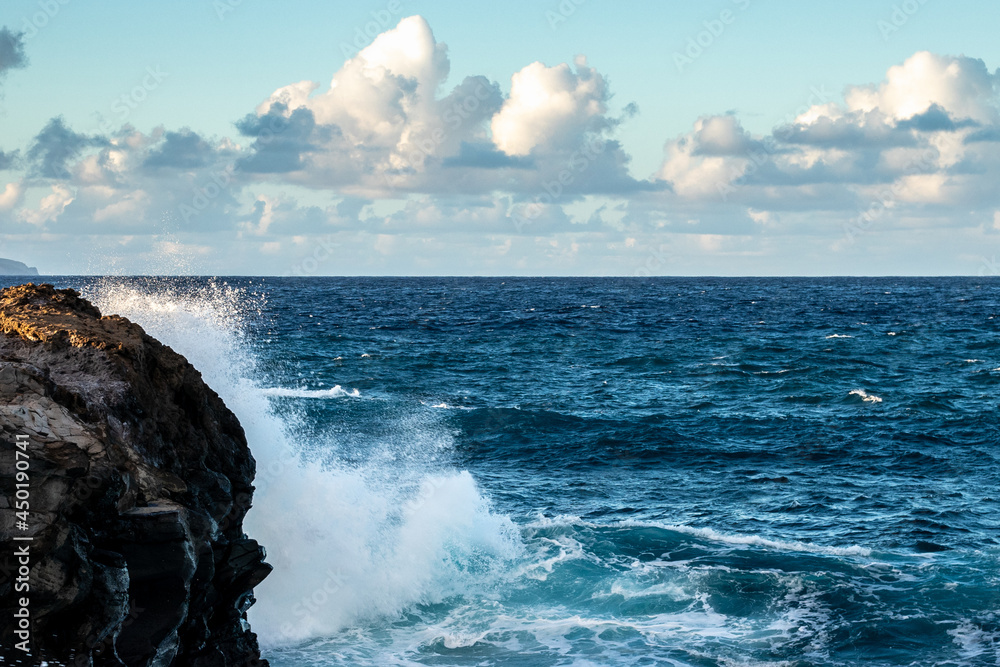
x: 140, y: 479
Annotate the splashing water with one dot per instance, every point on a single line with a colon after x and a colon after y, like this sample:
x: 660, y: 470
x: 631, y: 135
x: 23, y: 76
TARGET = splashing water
x: 347, y: 542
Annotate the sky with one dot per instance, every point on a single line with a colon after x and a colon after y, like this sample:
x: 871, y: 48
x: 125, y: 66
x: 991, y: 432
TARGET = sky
x: 561, y: 137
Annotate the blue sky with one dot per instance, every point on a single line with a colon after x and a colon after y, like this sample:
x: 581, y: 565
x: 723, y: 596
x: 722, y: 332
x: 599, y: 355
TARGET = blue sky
x: 797, y: 139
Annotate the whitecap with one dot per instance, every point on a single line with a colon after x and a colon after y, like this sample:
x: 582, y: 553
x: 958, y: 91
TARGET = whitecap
x: 757, y: 540
x: 334, y: 392
x: 865, y: 396
x: 839, y: 336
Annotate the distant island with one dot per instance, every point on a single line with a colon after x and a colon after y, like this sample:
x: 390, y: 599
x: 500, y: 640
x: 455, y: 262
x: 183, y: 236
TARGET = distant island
x: 9, y: 267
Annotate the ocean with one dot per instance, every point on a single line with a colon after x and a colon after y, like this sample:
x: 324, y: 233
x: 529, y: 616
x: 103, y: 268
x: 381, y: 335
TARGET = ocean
x: 678, y: 471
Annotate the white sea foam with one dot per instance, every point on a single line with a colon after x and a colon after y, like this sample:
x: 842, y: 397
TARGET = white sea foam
x: 568, y: 520
x: 757, y: 541
x: 839, y: 336
x: 334, y: 392
x: 974, y: 642
x: 346, y: 543
x: 865, y: 396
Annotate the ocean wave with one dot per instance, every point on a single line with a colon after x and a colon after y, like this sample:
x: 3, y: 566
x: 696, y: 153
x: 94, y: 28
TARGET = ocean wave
x: 839, y: 336
x: 445, y: 406
x: 334, y: 392
x: 348, y: 543
x: 865, y: 396
x: 571, y: 521
x: 755, y: 540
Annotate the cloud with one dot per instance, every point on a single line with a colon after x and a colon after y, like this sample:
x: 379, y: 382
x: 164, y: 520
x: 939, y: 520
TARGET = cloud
x: 383, y: 128
x: 12, y: 54
x: 9, y: 160
x: 698, y: 164
x: 50, y: 207
x: 486, y: 156
x: 962, y: 86
x: 180, y: 150
x: 551, y: 108
x: 280, y: 142
x: 387, y: 158
x: 55, y: 146
x: 916, y: 140
x: 375, y: 97
x: 11, y: 196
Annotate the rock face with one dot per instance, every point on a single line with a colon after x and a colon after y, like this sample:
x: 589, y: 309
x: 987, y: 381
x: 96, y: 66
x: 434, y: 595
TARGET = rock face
x: 9, y: 267
x: 139, y: 481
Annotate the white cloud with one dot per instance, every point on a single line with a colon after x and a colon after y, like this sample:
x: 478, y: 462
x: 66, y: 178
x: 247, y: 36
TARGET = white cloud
x: 50, y: 207
x: 392, y: 164
x: 551, y: 107
x: 11, y: 196
x: 962, y: 86
x: 701, y: 163
x: 130, y: 208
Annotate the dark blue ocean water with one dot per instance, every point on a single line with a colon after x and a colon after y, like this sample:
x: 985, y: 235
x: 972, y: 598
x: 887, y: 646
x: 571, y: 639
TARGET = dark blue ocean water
x: 710, y: 472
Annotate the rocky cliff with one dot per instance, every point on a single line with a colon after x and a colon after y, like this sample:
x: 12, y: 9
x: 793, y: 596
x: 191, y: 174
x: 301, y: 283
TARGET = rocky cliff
x: 139, y: 479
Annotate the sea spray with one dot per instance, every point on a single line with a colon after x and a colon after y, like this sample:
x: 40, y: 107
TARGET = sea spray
x: 347, y: 542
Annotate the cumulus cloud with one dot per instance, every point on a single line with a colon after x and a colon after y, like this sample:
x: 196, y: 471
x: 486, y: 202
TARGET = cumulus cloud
x: 384, y: 127
x: 386, y: 150
x: 371, y: 117
x: 920, y: 137
x: 180, y: 150
x: 714, y: 153
x: 962, y: 86
x: 551, y: 107
x: 280, y: 142
x: 57, y: 145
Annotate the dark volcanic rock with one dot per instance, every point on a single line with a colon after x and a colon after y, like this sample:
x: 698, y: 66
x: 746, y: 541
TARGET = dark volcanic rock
x: 139, y: 481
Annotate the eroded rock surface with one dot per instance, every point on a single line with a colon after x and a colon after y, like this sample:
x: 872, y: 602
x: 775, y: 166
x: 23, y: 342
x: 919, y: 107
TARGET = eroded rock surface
x: 139, y: 481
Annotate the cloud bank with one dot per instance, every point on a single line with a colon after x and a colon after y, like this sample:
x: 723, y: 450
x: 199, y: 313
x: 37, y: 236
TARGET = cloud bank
x: 387, y: 150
